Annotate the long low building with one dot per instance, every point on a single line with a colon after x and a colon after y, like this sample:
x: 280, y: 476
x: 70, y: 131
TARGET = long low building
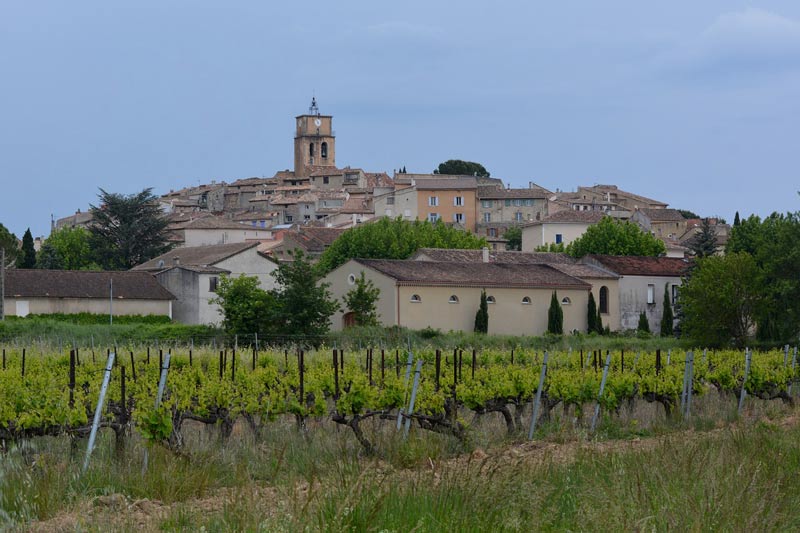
x: 446, y: 295
x: 44, y: 292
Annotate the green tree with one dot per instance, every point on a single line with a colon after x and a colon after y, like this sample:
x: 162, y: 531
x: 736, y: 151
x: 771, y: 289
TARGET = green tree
x: 393, y: 239
x: 600, y: 329
x: 482, y: 316
x: 27, y: 256
x: 591, y: 314
x: 609, y: 237
x: 362, y: 301
x: 555, y: 316
x: 720, y: 300
x: 704, y: 243
x: 736, y: 220
x: 245, y: 306
x: 667, y: 318
x: 644, y: 325
x: 685, y: 213
x: 462, y: 168
x: 10, y: 243
x: 127, y: 230
x: 514, y: 237
x: 551, y: 248
x: 305, y: 303
x: 67, y: 249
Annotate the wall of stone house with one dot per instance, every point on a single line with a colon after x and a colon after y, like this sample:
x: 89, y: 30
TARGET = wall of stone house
x: 341, y: 283
x: 184, y: 285
x: 447, y: 208
x: 633, y: 299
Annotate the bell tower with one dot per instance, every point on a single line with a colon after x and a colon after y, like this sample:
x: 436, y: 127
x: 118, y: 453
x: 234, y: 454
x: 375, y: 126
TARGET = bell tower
x: 314, y: 141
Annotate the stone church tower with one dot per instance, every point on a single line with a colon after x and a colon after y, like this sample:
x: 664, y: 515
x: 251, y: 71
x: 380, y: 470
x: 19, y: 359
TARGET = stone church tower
x: 314, y: 142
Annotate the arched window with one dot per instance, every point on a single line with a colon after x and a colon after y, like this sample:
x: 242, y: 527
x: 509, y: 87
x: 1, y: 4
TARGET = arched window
x: 453, y: 299
x: 565, y: 300
x: 415, y: 299
x: 323, y: 150
x: 311, y: 150
x: 526, y: 300
x: 604, y: 299
x: 490, y: 300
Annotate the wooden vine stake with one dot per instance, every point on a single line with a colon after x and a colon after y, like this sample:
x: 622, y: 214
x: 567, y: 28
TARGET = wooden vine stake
x: 602, y: 389
x: 538, y: 400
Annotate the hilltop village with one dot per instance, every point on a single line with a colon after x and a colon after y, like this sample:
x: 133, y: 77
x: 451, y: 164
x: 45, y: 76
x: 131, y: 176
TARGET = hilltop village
x: 252, y: 225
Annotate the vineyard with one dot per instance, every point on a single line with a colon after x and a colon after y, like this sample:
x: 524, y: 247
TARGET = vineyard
x: 57, y: 393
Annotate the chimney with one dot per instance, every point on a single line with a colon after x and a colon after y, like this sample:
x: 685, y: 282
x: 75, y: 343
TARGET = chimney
x: 176, y: 260
x: 485, y: 254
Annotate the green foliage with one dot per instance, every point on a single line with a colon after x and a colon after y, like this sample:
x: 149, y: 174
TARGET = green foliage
x: 8, y: 242
x: 245, y: 306
x: 736, y: 219
x: 592, y: 314
x: 555, y: 316
x: 551, y: 248
x: 27, y: 256
x: 599, y: 325
x: 644, y: 325
x: 666, y: 315
x: 704, y: 243
x: 127, y: 230
x: 462, y: 168
x: 305, y: 302
x: 362, y: 300
x: 482, y: 316
x: 610, y: 237
x: 720, y: 300
x: 514, y: 237
x: 394, y: 239
x: 67, y: 249
x: 685, y: 213
x: 94, y: 318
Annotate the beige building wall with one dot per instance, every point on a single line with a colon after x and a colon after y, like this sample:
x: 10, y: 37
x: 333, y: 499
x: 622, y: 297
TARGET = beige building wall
x: 506, y: 209
x: 400, y: 203
x: 447, y: 208
x: 633, y: 299
x: 612, y: 318
x: 342, y: 280
x: 308, y: 132
x: 538, y: 234
x: 207, y: 237
x: 68, y: 306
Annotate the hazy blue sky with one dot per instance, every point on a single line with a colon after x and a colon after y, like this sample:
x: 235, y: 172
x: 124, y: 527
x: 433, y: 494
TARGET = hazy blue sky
x: 693, y: 103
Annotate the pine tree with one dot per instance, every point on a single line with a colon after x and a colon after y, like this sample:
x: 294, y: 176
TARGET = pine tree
x: 555, y: 316
x: 704, y: 244
x: 27, y: 257
x: 482, y: 316
x: 591, y: 314
x: 666, y: 317
x: 644, y: 325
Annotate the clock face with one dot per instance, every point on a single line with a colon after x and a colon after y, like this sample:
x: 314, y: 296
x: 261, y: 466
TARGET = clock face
x: 317, y: 122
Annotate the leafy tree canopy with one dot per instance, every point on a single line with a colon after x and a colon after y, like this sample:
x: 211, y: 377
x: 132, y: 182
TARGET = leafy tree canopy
x: 704, y: 243
x: 362, y: 301
x: 67, y: 249
x: 688, y: 214
x: 127, y: 230
x: 514, y: 237
x: 10, y: 243
x: 463, y: 168
x: 609, y: 237
x: 394, y: 239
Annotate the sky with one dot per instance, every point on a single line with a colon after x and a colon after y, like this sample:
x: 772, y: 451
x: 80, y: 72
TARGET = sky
x: 696, y: 104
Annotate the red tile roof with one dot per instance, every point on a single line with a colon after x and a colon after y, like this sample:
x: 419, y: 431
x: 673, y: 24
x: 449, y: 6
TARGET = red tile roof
x: 626, y: 265
x: 23, y: 283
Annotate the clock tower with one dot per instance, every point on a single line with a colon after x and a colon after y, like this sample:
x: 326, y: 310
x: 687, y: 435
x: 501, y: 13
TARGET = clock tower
x: 314, y: 141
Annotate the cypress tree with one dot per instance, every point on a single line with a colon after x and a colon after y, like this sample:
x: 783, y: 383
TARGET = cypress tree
x: 27, y: 258
x: 666, y: 316
x: 644, y: 325
x: 591, y: 314
x: 736, y: 220
x: 482, y: 316
x: 600, y: 328
x: 555, y: 316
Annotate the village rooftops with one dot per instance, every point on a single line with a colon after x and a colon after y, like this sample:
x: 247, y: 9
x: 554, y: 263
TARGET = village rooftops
x: 640, y: 266
x: 195, y: 255
x: 570, y: 216
x: 212, y: 222
x: 489, y: 192
x: 38, y: 283
x: 434, y: 273
x: 663, y: 215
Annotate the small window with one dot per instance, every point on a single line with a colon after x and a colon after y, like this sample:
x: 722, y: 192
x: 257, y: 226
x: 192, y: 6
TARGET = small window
x: 458, y: 201
x: 490, y: 300
x: 311, y: 150
x: 518, y: 216
x: 325, y: 179
x: 433, y: 217
x: 415, y: 299
x: 529, y: 202
x: 390, y: 200
x: 559, y: 238
x: 492, y: 232
x: 526, y: 300
x: 351, y: 279
x: 458, y: 217
x: 213, y: 281
x: 604, y: 299
x: 651, y: 294
x: 324, y: 150
x: 517, y: 202
x: 453, y: 299
x: 674, y: 294
x: 487, y: 217
x: 486, y: 203
x: 565, y: 300
x: 508, y: 202
x: 433, y: 201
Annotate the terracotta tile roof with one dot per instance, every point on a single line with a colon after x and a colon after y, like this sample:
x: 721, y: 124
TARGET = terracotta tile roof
x: 83, y: 284
x: 663, y: 215
x: 614, y: 190
x: 571, y: 216
x: 460, y: 183
x: 356, y: 205
x: 212, y: 222
x: 489, y: 192
x: 314, y: 239
x: 427, y: 273
x: 325, y: 171
x: 378, y: 179
x: 495, y: 256
x: 626, y: 265
x: 196, y: 255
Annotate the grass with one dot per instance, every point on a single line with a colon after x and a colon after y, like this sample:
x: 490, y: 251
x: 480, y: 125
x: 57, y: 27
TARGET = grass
x: 638, y: 472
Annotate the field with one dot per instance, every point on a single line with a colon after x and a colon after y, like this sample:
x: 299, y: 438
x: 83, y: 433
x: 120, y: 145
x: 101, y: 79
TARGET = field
x: 292, y: 439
